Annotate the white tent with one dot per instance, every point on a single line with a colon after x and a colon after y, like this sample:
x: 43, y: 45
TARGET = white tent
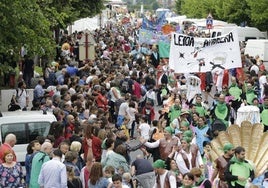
x: 85, y: 23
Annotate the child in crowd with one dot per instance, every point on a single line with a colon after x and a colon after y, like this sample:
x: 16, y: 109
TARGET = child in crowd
x: 109, y: 172
x: 125, y: 126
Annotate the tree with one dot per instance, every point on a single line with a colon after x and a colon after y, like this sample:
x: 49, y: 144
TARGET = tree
x: 31, y: 23
x: 62, y: 13
x: 259, y: 13
x: 253, y: 13
x: 23, y: 23
x: 195, y: 8
x: 233, y: 11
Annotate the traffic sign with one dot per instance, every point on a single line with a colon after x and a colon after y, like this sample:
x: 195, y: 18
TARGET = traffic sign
x: 209, y: 21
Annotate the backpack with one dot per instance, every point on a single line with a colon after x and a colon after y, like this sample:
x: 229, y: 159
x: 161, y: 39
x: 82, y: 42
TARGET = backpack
x: 125, y: 86
x: 13, y: 106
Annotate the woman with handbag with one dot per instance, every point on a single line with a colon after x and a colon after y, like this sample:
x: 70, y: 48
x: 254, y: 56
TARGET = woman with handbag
x: 20, y: 98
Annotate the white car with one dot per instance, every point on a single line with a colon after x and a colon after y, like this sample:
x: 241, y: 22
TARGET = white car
x: 26, y: 125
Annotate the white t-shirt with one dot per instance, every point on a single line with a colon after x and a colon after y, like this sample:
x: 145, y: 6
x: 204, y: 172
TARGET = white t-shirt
x: 21, y: 97
x: 131, y: 113
x: 172, y: 181
x: 145, y: 130
x: 181, y: 164
x: 123, y: 109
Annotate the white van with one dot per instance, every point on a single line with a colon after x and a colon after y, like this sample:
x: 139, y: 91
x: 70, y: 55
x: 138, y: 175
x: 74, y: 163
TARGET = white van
x: 26, y: 125
x: 257, y: 47
x: 244, y: 33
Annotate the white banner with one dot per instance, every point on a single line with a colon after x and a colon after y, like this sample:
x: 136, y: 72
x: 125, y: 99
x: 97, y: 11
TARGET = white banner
x: 190, y: 54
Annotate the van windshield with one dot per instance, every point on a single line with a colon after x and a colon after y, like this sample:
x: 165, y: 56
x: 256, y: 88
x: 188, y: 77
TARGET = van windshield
x: 25, y: 132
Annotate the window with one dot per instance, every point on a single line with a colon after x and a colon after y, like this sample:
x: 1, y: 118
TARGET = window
x: 26, y: 132
x: 247, y: 38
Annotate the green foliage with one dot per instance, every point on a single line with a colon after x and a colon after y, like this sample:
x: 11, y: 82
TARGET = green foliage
x: 32, y: 22
x: 195, y: 8
x: 23, y: 23
x: 259, y: 13
x: 254, y: 13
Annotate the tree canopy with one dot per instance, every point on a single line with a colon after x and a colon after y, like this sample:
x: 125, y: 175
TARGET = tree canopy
x: 32, y: 23
x: 253, y: 13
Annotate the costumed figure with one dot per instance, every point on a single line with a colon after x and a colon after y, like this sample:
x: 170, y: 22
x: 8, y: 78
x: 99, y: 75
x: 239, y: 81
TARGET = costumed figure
x: 174, y: 110
x: 188, y: 156
x: 65, y: 52
x: 252, y: 138
x: 165, y: 144
x: 221, y: 163
x: 236, y: 92
x: 201, y: 132
x: 221, y: 111
x: 249, y: 95
x: 193, y: 87
x: 264, y: 113
x: 238, y: 171
x: 218, y: 70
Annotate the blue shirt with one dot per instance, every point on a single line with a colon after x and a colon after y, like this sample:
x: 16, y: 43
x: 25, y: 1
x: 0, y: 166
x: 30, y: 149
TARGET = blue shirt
x: 101, y: 183
x: 72, y: 71
x: 53, y: 174
x: 38, y: 92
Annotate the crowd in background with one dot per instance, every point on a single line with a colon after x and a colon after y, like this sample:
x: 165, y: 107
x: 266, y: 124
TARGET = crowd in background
x: 129, y: 93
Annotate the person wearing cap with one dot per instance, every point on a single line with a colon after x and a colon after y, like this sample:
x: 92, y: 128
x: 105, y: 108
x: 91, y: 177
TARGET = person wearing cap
x: 176, y: 123
x: 238, y: 171
x: 184, y: 126
x: 164, y: 178
x: 221, y: 163
x: 165, y: 144
x: 188, y: 156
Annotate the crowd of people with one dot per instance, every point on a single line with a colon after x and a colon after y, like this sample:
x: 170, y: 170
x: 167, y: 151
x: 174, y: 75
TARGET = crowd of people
x: 128, y: 93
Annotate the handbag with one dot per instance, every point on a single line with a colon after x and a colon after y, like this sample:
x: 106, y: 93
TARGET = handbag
x: 13, y: 106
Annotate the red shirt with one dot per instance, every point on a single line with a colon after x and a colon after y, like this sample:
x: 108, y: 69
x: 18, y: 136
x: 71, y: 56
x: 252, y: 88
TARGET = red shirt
x: 96, y: 148
x: 137, y: 89
x: 3, y: 149
x: 69, y: 131
x: 102, y: 101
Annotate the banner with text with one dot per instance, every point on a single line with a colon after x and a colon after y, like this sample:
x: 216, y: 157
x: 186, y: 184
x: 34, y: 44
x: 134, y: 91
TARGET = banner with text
x: 190, y: 54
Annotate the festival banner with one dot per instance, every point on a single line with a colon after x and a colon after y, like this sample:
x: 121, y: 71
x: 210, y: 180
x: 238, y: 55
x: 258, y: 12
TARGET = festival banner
x: 154, y: 25
x: 150, y: 37
x: 190, y: 54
